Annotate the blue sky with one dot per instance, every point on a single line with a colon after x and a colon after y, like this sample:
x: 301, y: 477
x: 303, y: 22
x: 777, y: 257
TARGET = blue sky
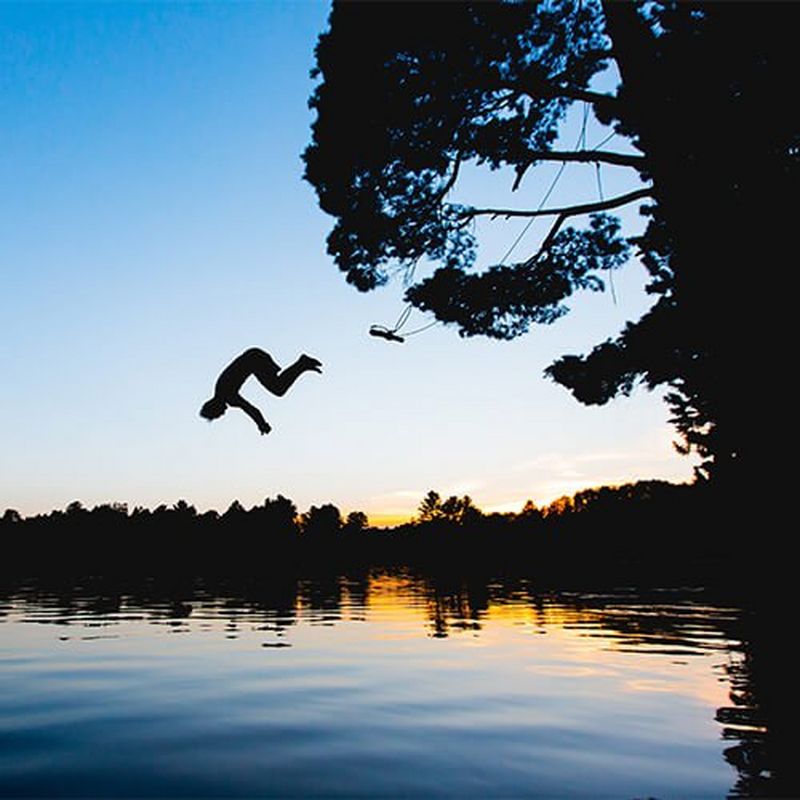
x: 154, y: 223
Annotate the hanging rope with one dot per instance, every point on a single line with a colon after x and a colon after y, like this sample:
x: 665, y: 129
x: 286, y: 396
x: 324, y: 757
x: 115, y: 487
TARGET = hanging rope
x: 605, y: 141
x: 403, y: 318
x: 601, y: 196
x: 423, y: 328
x: 533, y: 219
x: 580, y: 143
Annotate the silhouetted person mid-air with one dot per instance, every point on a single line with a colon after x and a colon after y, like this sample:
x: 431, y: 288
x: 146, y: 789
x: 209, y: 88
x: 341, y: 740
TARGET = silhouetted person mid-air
x: 254, y: 362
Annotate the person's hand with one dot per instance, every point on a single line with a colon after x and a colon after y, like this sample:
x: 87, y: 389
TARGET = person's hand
x: 265, y: 428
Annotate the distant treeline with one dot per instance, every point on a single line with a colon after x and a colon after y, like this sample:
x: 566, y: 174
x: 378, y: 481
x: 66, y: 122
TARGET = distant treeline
x: 671, y: 525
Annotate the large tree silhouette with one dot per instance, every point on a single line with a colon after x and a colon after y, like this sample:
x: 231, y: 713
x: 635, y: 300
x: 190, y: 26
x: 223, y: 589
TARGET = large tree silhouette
x: 411, y: 93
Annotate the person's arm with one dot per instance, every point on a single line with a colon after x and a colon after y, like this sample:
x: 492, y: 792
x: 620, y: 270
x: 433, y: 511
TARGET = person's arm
x: 239, y: 402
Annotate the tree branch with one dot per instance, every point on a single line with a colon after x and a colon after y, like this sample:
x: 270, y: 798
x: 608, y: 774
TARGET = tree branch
x: 451, y: 180
x: 574, y: 93
x: 587, y: 156
x: 545, y: 90
x: 545, y: 246
x: 568, y: 211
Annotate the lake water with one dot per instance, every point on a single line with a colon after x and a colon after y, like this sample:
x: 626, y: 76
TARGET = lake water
x: 385, y: 683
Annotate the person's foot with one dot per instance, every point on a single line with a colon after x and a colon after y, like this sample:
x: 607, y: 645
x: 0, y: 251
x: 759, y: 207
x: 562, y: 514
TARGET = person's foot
x: 311, y: 364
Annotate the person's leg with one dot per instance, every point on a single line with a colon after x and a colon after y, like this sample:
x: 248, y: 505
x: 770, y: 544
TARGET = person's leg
x: 279, y: 382
x: 258, y: 361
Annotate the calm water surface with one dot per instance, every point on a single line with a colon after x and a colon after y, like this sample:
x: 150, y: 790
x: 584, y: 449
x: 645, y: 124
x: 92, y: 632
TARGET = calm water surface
x: 386, y: 683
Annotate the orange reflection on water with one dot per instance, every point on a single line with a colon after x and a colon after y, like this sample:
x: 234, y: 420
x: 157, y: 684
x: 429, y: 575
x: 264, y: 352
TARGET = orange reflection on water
x: 639, y: 647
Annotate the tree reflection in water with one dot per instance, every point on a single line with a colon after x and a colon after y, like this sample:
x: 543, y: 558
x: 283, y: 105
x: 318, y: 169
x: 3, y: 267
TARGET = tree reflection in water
x: 677, y: 622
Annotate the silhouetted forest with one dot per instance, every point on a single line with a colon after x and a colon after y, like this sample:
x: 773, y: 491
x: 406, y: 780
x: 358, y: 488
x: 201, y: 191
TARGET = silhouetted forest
x: 672, y: 530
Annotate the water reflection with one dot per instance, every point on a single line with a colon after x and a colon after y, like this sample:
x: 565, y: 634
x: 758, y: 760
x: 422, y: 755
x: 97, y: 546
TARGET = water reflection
x: 677, y: 622
x: 650, y: 656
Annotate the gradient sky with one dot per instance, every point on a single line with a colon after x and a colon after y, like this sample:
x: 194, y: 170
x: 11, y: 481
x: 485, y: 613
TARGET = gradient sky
x: 154, y: 223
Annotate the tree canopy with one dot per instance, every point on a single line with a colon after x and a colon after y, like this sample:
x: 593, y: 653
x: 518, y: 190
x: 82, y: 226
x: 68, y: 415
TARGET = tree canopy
x: 409, y: 94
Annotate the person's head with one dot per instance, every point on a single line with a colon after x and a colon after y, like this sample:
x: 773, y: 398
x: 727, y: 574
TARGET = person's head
x: 213, y: 408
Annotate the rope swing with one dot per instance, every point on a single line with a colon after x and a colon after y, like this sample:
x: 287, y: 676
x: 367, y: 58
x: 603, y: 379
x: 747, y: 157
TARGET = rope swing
x: 391, y: 334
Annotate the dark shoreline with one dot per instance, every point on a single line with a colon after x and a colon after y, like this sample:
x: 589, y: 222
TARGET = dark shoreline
x: 645, y: 534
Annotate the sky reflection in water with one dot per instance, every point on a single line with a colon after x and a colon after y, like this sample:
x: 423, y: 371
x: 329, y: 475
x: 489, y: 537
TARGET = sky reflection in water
x: 378, y: 684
